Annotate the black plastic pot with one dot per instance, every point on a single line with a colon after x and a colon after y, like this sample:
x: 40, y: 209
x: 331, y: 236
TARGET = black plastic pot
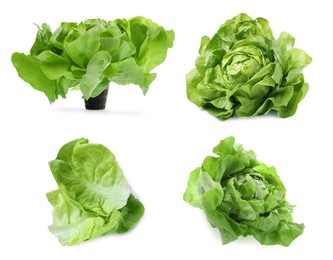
x: 97, y: 103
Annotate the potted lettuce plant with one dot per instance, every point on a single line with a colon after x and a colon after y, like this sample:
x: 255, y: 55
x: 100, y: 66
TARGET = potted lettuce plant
x: 87, y: 56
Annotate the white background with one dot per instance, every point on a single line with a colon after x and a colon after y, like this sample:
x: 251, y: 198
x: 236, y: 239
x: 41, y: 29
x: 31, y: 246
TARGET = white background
x: 160, y: 138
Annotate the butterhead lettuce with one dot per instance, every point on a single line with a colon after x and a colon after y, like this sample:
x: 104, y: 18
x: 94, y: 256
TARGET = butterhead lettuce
x: 244, y: 70
x: 242, y: 196
x: 93, y: 197
x: 91, y: 54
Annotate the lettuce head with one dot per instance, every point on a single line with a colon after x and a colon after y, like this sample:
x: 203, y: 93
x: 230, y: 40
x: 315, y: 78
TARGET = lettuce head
x: 242, y: 196
x: 244, y: 70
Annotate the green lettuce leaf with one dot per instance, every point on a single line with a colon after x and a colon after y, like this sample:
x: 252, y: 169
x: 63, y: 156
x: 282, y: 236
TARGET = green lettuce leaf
x: 129, y: 215
x: 82, y: 43
x: 52, y: 65
x: 243, y: 70
x: 242, y: 196
x: 43, y: 40
x: 91, y: 82
x: 29, y: 69
x: 91, y: 54
x: 151, y: 50
x: 93, y: 198
x: 71, y: 224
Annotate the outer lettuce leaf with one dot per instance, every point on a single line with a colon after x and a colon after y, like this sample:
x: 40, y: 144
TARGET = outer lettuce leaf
x: 129, y: 72
x: 129, y: 215
x: 191, y: 194
x: 71, y: 224
x: 244, y: 70
x: 91, y: 54
x: 93, y: 198
x: 52, y: 65
x: 91, y: 82
x: 42, y: 41
x: 29, y: 69
x: 242, y: 196
x: 152, y: 51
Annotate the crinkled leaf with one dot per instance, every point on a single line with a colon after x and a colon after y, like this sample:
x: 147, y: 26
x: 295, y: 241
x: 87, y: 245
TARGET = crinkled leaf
x: 230, y: 230
x: 83, y: 45
x: 42, y: 41
x: 129, y: 72
x: 151, y: 42
x: 59, y: 35
x: 71, y: 224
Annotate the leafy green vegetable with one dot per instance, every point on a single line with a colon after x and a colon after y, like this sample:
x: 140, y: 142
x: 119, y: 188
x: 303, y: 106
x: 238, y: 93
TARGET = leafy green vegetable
x: 242, y: 196
x: 243, y: 70
x: 93, y: 53
x: 93, y: 198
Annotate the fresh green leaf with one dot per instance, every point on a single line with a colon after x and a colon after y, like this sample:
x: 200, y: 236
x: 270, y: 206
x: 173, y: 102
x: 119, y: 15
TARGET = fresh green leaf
x: 129, y: 72
x: 52, y: 65
x: 191, y: 194
x: 118, y: 48
x: 151, y: 50
x: 94, y: 76
x: 42, y: 41
x: 29, y: 69
x: 71, y: 224
x: 129, y: 215
x: 63, y: 84
x: 83, y: 45
x: 59, y: 35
